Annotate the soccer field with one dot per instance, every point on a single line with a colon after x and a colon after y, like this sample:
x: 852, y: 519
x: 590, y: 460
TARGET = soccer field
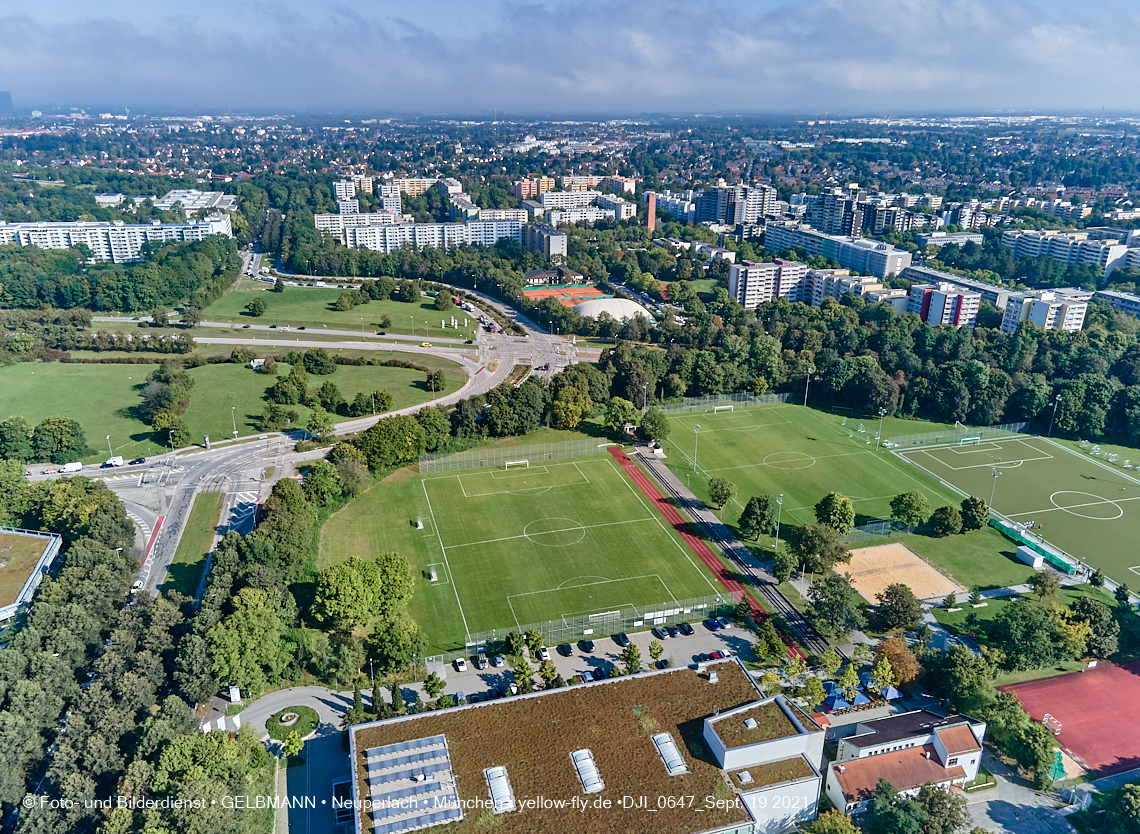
x: 1088, y: 509
x: 511, y: 547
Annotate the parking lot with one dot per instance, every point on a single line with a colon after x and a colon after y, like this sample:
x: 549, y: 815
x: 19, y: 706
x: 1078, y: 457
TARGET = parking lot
x: 680, y: 650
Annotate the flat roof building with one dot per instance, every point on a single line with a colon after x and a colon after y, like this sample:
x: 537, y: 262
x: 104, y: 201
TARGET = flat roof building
x: 539, y: 237
x: 568, y: 199
x: 111, y: 242
x: 1068, y: 247
x: 193, y: 200
x: 944, y: 303
x: 28, y: 556
x: 623, y: 209
x: 1122, y: 302
x: 940, y: 239
x: 1062, y: 309
x: 526, y: 759
x: 856, y: 254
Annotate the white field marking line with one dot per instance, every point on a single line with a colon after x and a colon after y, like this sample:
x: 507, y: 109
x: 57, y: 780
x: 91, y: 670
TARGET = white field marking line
x: 488, y: 470
x: 455, y: 587
x: 438, y: 582
x: 1099, y: 503
x: 783, y: 421
x: 775, y: 464
x: 853, y: 501
x: 1008, y: 464
x: 1135, y: 570
x: 975, y: 448
x: 657, y: 517
x: 1104, y: 466
x: 562, y: 586
x: 511, y: 491
x: 587, y: 585
x: 530, y: 470
x: 548, y: 532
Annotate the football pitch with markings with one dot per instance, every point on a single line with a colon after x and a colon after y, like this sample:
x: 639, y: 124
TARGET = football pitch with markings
x: 516, y: 546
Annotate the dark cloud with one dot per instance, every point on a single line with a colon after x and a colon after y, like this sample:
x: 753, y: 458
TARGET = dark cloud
x: 592, y: 56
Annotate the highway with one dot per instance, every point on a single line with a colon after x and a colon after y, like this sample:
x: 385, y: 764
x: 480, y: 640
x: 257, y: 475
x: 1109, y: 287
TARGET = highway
x: 165, y: 487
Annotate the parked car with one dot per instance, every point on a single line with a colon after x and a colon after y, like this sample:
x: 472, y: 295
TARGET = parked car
x: 497, y: 661
x: 587, y: 646
x: 671, y: 631
x: 685, y: 629
x: 566, y: 650
x: 460, y: 664
x: 51, y: 470
x: 660, y: 633
x: 712, y: 625
x: 137, y: 461
x: 716, y: 655
x: 723, y: 622
x: 544, y: 653
x: 481, y: 661
x: 702, y: 658
x: 621, y: 639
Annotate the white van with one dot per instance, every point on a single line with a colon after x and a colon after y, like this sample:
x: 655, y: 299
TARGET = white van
x: 74, y: 466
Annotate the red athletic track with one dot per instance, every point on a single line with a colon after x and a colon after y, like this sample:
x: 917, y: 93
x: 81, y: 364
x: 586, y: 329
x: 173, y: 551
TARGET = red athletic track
x: 695, y: 543
x: 1094, y: 710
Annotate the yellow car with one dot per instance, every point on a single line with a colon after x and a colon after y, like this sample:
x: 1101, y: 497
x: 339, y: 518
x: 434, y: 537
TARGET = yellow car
x: 425, y: 344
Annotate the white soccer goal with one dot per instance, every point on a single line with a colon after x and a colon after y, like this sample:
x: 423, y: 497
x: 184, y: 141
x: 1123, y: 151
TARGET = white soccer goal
x: 517, y: 464
x: 969, y: 441
x: 720, y: 408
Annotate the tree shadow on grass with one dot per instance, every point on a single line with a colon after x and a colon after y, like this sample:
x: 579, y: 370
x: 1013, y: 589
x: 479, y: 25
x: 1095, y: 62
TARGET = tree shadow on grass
x: 184, y: 578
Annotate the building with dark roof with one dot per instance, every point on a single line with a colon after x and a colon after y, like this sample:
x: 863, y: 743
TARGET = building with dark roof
x: 675, y: 751
x: 908, y: 750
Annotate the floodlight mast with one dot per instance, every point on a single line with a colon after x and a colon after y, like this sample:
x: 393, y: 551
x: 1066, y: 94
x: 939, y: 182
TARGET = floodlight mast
x: 779, y: 516
x: 879, y: 436
x: 696, y: 437
x: 996, y: 474
x: 1056, y: 403
x: 807, y: 382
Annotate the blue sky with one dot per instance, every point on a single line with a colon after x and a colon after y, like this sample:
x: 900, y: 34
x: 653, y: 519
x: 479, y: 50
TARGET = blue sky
x: 588, y: 56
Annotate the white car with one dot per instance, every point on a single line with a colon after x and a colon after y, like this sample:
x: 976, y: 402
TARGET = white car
x: 460, y: 665
x: 544, y: 653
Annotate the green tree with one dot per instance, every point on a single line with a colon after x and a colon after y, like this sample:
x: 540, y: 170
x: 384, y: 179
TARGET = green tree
x: 322, y: 484
x: 769, y: 681
x: 830, y: 661
x: 619, y: 412
x: 392, y: 441
x: 1122, y: 810
x: 910, y: 508
x: 813, y: 692
x: 256, y: 307
x: 889, y: 813
x: 292, y: 745
x: 534, y: 641
x: 443, y: 301
x: 16, y: 440
x: 396, y: 642
x: 832, y: 822
x: 898, y: 607
x: 191, y: 317
x: 59, y: 440
x: 547, y: 673
x: 965, y: 678
x: 721, y: 491
x: 570, y: 407
x: 769, y: 646
x: 946, y: 811
x: 318, y: 361
x: 435, y: 381
x: 835, y: 610
x: 836, y: 511
x: 975, y: 513
x: 514, y: 643
x: 1104, y: 640
x: 1045, y: 583
x: 882, y: 675
x: 1121, y: 594
x: 245, y: 646
x: 1027, y: 635
x: 819, y: 547
x: 783, y: 563
x: 655, y: 425
x: 848, y: 682
x: 631, y: 658
x: 759, y: 517
x: 946, y: 521
x: 434, y: 685
x: 354, y: 591
x: 1032, y: 746
x: 656, y: 649
x: 523, y: 673
x: 278, y: 286
x: 320, y: 424
x: 159, y: 317
x: 328, y: 396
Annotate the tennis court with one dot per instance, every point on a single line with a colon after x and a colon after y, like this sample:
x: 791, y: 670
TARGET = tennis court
x: 1083, y: 506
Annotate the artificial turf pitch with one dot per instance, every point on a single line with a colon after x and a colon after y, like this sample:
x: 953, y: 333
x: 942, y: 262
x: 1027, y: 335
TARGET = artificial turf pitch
x: 512, y: 547
x: 1088, y: 509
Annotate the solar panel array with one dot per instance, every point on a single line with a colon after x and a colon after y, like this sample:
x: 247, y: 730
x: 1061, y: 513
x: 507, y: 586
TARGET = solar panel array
x: 500, y: 786
x: 411, y: 785
x: 670, y: 754
x: 587, y: 771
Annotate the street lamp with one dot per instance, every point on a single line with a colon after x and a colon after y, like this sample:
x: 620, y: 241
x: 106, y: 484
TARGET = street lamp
x: 413, y: 320
x: 696, y: 437
x: 362, y: 328
x: 1056, y: 403
x: 779, y: 516
x: 233, y: 418
x: 644, y: 397
x: 879, y: 436
x: 109, y: 452
x: 807, y: 382
x: 995, y: 473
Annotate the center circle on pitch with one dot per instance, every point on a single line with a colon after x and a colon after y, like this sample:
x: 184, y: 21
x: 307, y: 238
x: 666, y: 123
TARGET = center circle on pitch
x: 555, y: 532
x: 1087, y: 505
x: 789, y: 460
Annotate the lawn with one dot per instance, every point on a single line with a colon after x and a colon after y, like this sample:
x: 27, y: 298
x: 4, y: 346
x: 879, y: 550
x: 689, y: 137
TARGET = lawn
x: 104, y: 399
x: 515, y: 547
x: 1083, y: 506
x: 314, y: 307
x: 197, y: 540
x: 804, y: 454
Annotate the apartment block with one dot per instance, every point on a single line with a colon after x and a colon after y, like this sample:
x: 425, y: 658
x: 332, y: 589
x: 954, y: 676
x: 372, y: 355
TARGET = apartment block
x: 944, y: 303
x: 623, y: 209
x: 581, y: 183
x: 856, y: 254
x: 568, y: 199
x: 533, y: 187
x: 414, y: 187
x: 344, y: 190
x: 681, y: 205
x: 994, y: 294
x: 521, y: 215
x: 538, y: 237
x: 1062, y: 309
x: 752, y: 284
x: 111, y: 242
x: 348, y: 206
x: 735, y: 204
x: 621, y: 185
x: 584, y: 214
x: 389, y: 238
x: 193, y: 200
x: 1069, y: 247
x: 941, y: 239
x: 1122, y: 302
x: 338, y: 225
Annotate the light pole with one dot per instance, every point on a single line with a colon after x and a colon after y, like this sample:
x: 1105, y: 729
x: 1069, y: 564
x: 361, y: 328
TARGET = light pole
x: 413, y: 320
x: 644, y: 397
x: 995, y: 473
x: 373, y: 396
x: 807, y: 382
x: 696, y: 437
x: 1056, y: 403
x: 779, y: 516
x: 362, y: 328
x: 109, y: 452
x: 233, y: 418
x: 879, y: 436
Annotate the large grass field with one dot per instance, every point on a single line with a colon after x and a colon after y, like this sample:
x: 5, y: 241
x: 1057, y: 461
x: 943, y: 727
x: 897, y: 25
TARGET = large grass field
x: 189, y: 560
x: 105, y: 398
x: 519, y: 546
x: 805, y: 454
x: 314, y: 307
x: 1089, y: 509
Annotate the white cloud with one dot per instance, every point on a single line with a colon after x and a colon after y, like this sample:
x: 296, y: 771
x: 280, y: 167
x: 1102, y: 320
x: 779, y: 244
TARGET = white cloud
x: 588, y: 56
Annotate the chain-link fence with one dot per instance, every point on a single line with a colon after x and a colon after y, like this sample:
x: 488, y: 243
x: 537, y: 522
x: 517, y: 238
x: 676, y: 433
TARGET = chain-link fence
x: 500, y: 457
x: 956, y: 435
x: 879, y: 529
x: 697, y: 405
x: 569, y: 628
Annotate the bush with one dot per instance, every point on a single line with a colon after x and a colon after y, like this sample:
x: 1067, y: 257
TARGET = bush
x: 307, y: 721
x: 946, y: 521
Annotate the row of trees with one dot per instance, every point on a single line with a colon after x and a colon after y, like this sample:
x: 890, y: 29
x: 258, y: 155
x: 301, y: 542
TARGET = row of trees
x: 55, y: 439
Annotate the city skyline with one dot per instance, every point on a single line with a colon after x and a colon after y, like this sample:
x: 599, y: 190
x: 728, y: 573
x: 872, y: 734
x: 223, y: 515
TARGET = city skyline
x: 628, y: 56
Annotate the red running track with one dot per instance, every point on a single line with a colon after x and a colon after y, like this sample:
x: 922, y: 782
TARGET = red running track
x: 698, y: 545
x: 1094, y: 709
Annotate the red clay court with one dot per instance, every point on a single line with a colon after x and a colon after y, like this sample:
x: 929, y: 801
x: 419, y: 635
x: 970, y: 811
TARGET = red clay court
x: 1093, y: 708
x: 568, y: 296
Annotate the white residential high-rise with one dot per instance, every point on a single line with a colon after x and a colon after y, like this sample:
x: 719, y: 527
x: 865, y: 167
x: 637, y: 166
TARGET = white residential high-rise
x: 1069, y: 247
x: 623, y: 209
x: 111, y: 242
x: 568, y: 199
x: 944, y: 303
x: 1048, y: 309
